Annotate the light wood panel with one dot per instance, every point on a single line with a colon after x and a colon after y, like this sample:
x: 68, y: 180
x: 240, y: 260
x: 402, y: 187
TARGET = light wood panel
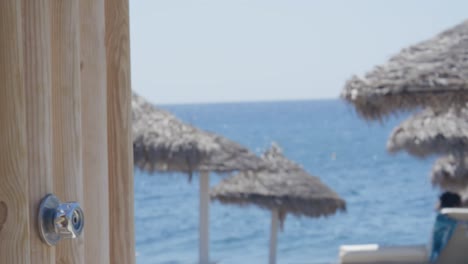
x: 14, y: 205
x: 66, y: 113
x: 94, y: 125
x: 38, y: 88
x: 121, y: 196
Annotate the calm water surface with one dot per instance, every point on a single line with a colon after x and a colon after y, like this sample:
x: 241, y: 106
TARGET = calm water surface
x: 389, y: 197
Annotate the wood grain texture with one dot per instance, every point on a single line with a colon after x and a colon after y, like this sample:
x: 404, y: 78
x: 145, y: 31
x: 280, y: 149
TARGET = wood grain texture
x: 94, y: 131
x: 14, y: 205
x: 121, y: 196
x: 38, y: 88
x: 66, y: 113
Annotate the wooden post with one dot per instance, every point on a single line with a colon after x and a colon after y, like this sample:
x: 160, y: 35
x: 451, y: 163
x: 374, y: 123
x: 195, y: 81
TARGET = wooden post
x: 120, y: 151
x: 204, y: 225
x: 14, y: 206
x: 94, y: 131
x: 66, y: 113
x: 38, y: 87
x: 273, y: 236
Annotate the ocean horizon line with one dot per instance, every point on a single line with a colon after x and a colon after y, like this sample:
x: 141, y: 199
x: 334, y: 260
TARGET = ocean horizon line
x: 250, y: 101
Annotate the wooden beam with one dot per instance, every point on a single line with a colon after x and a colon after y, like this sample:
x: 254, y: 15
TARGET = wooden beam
x: 94, y: 127
x: 66, y: 113
x: 14, y: 205
x: 38, y: 88
x: 120, y: 150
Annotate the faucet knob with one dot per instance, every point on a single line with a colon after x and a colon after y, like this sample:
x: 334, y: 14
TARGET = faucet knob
x: 59, y: 220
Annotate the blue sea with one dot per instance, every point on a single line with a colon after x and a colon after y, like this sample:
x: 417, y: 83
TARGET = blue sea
x: 390, y: 200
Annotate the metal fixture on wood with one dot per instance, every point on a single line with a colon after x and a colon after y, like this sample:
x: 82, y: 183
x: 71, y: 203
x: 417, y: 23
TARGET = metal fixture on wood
x: 59, y: 220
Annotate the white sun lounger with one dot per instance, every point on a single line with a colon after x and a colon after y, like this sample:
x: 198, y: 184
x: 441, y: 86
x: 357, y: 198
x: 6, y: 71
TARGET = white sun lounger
x: 455, y: 252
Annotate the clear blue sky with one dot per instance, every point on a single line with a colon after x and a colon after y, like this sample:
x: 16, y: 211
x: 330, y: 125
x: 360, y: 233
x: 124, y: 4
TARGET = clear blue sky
x: 190, y: 51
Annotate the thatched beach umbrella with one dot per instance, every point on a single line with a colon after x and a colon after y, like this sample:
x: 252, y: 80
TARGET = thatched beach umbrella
x: 432, y: 132
x: 283, y: 189
x: 433, y: 73
x: 451, y: 173
x: 161, y: 142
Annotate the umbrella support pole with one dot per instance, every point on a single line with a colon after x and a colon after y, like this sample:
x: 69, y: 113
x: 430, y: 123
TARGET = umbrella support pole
x: 204, y: 218
x: 273, y: 236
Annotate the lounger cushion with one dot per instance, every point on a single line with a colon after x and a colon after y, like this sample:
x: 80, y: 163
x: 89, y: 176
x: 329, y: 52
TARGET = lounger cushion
x: 373, y: 253
x: 459, y: 214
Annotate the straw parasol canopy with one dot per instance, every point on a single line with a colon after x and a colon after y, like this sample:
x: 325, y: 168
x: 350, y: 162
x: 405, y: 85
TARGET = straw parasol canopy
x: 451, y: 173
x: 432, y: 132
x: 433, y: 73
x: 162, y: 142
x: 285, y: 187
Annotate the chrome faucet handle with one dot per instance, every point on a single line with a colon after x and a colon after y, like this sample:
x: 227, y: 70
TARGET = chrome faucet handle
x: 59, y: 221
